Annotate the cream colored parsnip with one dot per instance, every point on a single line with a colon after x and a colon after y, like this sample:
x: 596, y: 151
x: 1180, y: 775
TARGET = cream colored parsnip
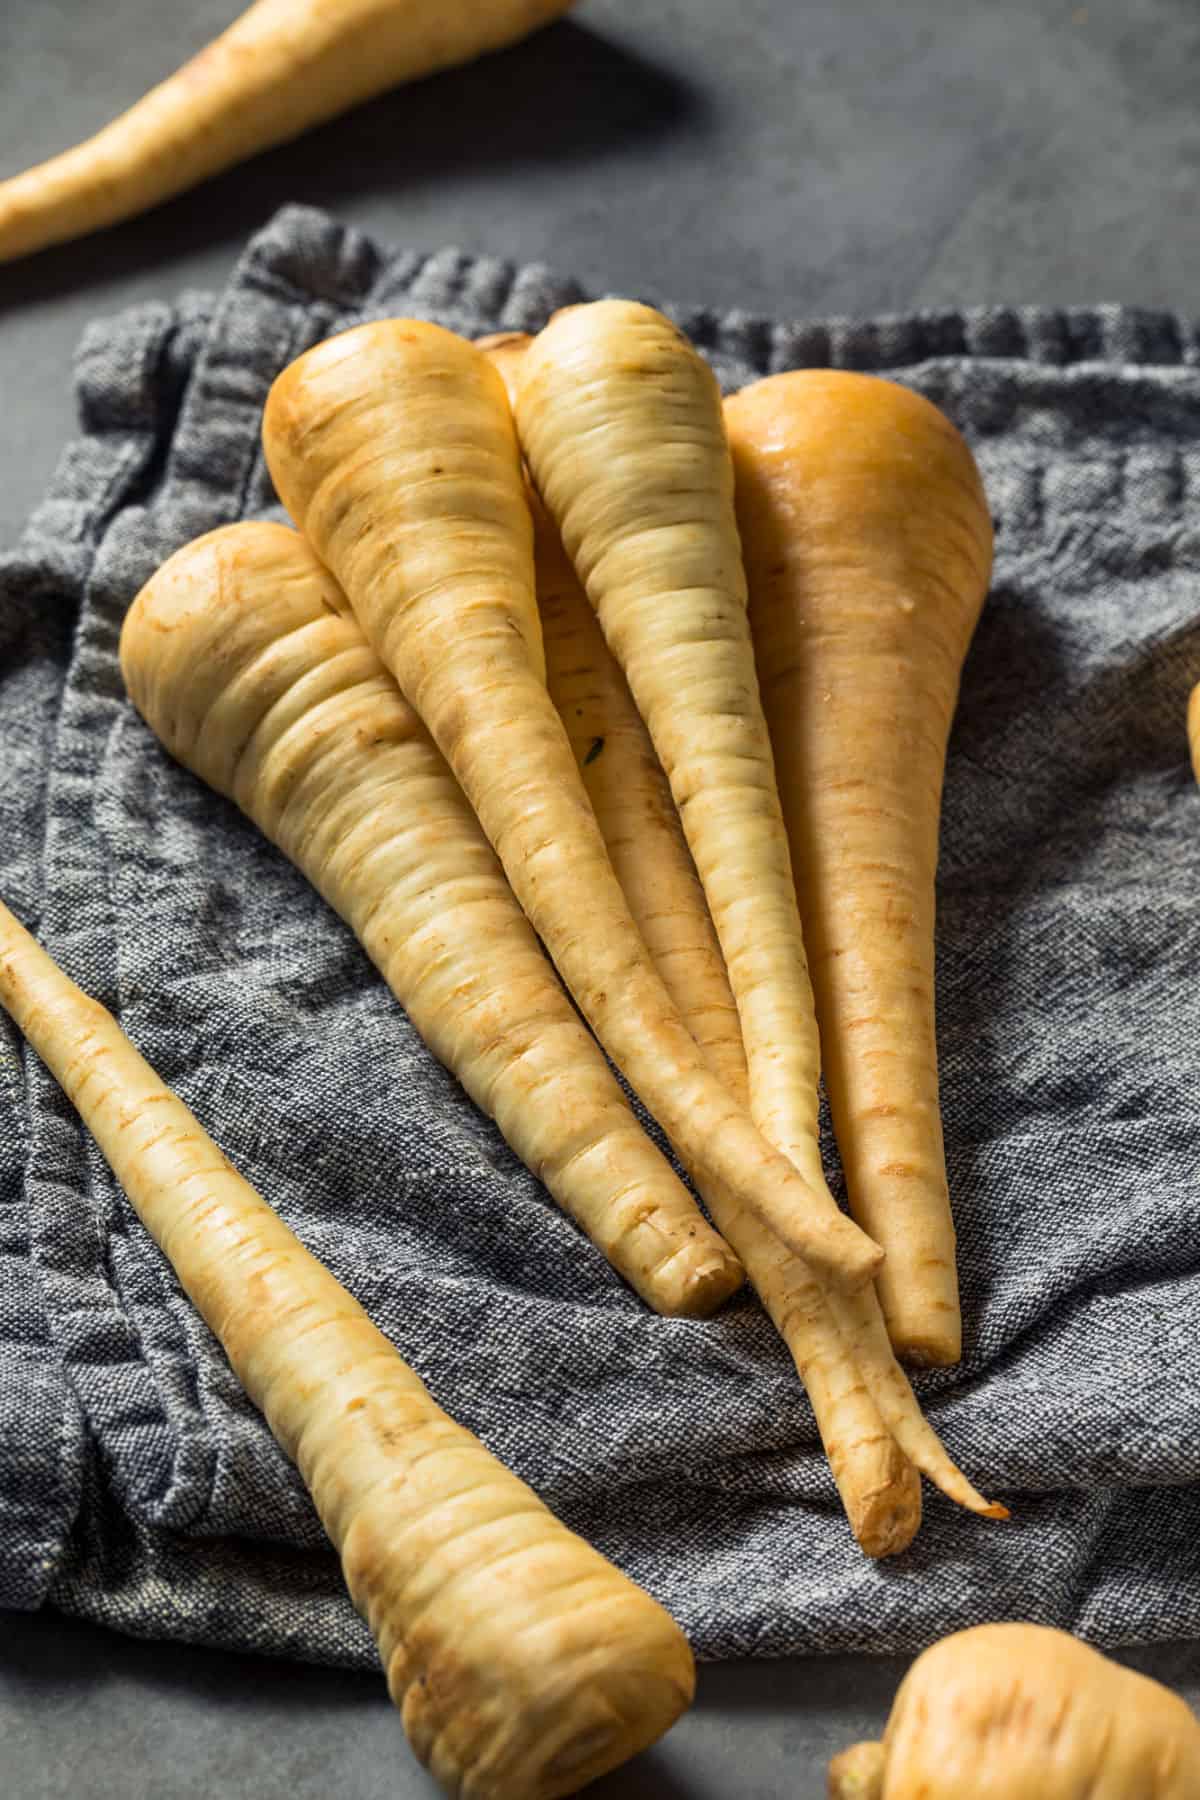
x: 393, y: 448
x: 241, y: 656
x: 282, y: 67
x: 523, y: 1663
x: 868, y: 548
x: 1020, y: 1712
x: 879, y: 1488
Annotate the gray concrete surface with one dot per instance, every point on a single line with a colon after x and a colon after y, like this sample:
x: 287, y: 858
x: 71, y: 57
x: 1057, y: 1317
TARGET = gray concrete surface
x: 85, y: 1715
x: 850, y: 157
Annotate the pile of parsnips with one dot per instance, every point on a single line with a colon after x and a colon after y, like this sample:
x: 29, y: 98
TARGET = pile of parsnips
x: 502, y: 688
x: 505, y: 689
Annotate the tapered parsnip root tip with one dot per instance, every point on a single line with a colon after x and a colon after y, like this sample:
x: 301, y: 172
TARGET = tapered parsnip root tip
x: 885, y: 1523
x: 1025, y: 1712
x: 1193, y: 729
x: 697, y: 1280
x: 868, y: 547
x: 858, y: 1773
x: 242, y: 656
x: 283, y: 66
x: 869, y: 1349
x: 522, y: 1662
x: 934, y: 1344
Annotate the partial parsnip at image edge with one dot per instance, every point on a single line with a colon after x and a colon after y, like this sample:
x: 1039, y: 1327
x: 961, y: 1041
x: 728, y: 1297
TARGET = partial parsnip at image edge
x: 857, y: 1773
x: 393, y: 448
x: 1193, y: 730
x: 1024, y: 1712
x: 242, y: 656
x: 524, y: 1665
x: 281, y: 68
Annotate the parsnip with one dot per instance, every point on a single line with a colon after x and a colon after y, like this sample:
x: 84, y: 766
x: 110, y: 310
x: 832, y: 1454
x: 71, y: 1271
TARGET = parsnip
x: 523, y: 1664
x: 620, y: 421
x: 869, y: 1418
x: 626, y: 786
x: 240, y: 655
x: 283, y: 66
x: 868, y: 549
x: 1021, y: 1712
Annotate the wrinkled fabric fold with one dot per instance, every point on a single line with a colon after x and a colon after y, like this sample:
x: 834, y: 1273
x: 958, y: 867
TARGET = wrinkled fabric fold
x: 138, y: 1487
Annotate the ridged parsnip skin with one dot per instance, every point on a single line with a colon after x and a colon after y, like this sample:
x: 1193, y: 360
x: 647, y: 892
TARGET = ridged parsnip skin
x: 522, y: 1662
x: 282, y: 67
x: 861, y: 1323
x: 241, y: 656
x: 393, y: 448
x: 1193, y: 727
x: 879, y: 1488
x: 868, y: 548
x: 1022, y: 1712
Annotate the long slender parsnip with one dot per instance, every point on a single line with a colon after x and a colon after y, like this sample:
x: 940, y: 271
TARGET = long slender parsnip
x: 241, y: 656
x: 868, y: 549
x: 879, y: 1488
x: 393, y: 448
x: 522, y: 1662
x: 1021, y: 1712
x: 620, y: 421
x: 283, y: 66
x: 868, y: 1416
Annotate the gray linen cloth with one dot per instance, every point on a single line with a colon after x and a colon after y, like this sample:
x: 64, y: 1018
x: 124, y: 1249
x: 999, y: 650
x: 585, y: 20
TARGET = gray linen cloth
x: 137, y: 1485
